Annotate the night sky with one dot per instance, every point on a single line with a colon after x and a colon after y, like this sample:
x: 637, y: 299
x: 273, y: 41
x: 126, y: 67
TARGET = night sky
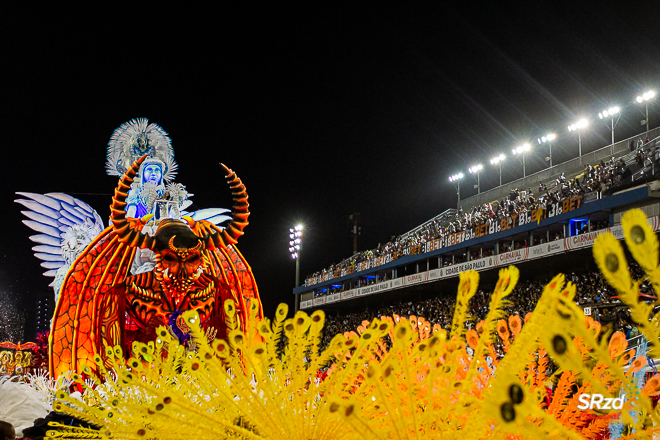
x: 323, y: 110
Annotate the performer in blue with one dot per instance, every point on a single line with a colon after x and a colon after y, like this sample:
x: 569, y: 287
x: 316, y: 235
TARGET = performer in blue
x: 144, y: 193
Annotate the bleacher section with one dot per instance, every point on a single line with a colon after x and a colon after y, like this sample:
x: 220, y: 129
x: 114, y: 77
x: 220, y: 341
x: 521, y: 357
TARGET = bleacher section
x: 499, y: 242
x: 571, y: 168
x: 505, y: 259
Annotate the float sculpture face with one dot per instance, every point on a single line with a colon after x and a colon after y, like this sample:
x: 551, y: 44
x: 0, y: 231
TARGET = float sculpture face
x: 177, y: 269
x: 180, y: 280
x: 197, y: 268
x: 152, y: 173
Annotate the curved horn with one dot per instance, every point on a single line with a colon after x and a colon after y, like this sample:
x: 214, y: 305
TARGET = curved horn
x: 240, y: 213
x: 129, y: 231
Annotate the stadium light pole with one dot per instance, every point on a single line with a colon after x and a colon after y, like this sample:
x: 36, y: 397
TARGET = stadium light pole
x: 497, y: 160
x: 477, y: 170
x: 522, y: 150
x: 645, y: 98
x: 456, y: 178
x: 610, y: 114
x: 578, y: 126
x: 548, y: 138
x: 295, y: 247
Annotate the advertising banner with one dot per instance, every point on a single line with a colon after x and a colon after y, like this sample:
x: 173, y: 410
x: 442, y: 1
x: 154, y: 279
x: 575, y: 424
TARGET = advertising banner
x: 582, y: 240
x: 480, y: 264
x: 508, y: 258
x: 319, y: 301
x: 655, y: 222
x: 380, y: 287
x: 415, y: 279
x: 617, y: 231
x: 435, y: 274
x: 348, y: 294
x: 545, y: 249
x: 333, y: 298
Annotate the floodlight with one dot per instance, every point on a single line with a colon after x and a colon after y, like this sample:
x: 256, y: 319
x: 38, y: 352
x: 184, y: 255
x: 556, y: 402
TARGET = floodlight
x: 610, y: 112
x: 646, y: 96
x: 521, y: 149
x: 497, y: 159
x: 456, y: 177
x: 582, y: 123
x: 547, y: 139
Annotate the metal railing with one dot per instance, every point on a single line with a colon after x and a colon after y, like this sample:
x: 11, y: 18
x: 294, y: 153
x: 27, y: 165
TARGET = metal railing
x: 570, y: 169
x: 648, y: 166
x: 444, y: 217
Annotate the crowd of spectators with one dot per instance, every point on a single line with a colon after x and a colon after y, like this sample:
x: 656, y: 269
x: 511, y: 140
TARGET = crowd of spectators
x: 592, y: 291
x: 600, y: 177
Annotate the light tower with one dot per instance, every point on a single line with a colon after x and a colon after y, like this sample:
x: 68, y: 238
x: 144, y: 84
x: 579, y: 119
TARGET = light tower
x: 578, y: 126
x: 611, y: 113
x: 456, y: 178
x: 497, y: 160
x: 548, y: 138
x: 295, y: 247
x: 477, y: 170
x: 522, y: 151
x: 645, y: 98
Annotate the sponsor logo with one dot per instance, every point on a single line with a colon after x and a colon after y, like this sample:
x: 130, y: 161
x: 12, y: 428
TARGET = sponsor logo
x: 512, y: 256
x: 375, y: 288
x: 332, y: 298
x: 348, y: 294
x: 472, y: 265
x: 453, y: 270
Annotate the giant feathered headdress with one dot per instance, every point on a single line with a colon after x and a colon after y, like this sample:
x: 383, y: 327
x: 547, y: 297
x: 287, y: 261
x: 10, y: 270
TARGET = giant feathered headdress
x: 133, y: 140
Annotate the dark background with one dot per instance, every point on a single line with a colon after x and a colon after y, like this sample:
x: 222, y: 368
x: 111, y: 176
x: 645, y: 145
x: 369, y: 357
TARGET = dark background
x: 323, y: 110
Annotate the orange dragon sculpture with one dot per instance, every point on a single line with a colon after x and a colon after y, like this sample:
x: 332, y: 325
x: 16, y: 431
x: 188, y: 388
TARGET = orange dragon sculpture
x: 197, y: 267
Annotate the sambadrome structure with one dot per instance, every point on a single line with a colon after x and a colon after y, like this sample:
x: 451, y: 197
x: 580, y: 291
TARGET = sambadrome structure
x: 140, y: 273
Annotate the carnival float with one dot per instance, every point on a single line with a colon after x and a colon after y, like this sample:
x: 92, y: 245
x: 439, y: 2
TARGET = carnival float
x: 158, y: 333
x: 114, y: 285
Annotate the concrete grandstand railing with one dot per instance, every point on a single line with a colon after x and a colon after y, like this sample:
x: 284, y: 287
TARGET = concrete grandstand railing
x: 571, y: 168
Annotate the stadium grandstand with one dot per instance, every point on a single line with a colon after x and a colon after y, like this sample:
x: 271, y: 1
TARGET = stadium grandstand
x: 544, y: 223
